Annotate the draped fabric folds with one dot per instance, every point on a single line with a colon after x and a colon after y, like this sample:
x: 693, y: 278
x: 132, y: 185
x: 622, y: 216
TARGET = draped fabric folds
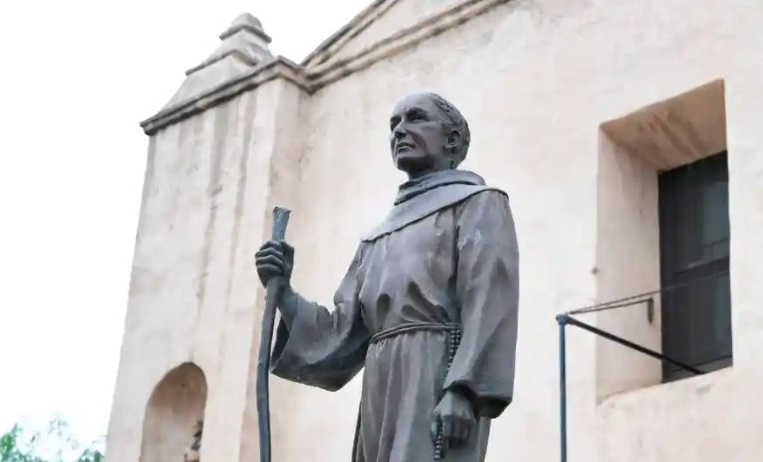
x: 446, y: 254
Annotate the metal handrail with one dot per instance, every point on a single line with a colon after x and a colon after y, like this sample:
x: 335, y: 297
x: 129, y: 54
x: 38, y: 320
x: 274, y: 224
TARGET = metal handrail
x: 566, y: 318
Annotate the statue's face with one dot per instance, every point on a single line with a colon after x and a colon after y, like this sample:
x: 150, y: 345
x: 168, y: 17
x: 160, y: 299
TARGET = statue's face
x: 419, y: 137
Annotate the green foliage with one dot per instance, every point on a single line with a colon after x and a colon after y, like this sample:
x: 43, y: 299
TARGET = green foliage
x: 10, y: 450
x: 55, y: 444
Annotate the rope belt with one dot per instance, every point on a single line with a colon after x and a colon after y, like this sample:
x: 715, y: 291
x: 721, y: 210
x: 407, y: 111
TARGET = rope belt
x: 411, y: 327
x: 454, y: 339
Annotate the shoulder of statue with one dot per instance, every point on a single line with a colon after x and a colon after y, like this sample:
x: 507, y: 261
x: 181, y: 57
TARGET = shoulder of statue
x: 494, y: 189
x: 483, y: 191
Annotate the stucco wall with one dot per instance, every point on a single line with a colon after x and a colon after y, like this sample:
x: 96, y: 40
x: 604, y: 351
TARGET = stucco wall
x: 536, y: 79
x: 194, y: 292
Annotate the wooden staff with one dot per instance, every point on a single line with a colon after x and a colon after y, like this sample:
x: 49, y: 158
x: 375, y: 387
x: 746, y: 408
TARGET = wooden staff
x: 280, y: 220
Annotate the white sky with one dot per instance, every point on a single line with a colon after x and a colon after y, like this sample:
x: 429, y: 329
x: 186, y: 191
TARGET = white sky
x: 76, y: 78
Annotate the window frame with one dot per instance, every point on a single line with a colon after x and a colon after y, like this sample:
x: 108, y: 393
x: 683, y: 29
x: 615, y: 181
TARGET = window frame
x: 680, y: 326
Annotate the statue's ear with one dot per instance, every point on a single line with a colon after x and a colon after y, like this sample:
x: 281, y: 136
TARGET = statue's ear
x: 454, y: 138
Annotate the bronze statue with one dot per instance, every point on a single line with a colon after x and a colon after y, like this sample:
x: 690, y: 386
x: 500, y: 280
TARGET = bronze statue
x: 428, y: 304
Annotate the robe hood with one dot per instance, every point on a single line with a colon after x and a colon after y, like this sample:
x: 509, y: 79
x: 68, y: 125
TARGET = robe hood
x: 423, y: 196
x: 430, y: 181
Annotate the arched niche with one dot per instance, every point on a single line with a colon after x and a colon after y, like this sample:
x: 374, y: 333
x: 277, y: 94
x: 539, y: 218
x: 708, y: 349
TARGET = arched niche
x: 175, y: 407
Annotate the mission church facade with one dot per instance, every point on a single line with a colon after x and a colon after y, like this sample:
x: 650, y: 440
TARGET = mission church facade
x: 628, y: 137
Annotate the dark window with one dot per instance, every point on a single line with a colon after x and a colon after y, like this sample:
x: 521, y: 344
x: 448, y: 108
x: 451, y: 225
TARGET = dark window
x: 694, y: 257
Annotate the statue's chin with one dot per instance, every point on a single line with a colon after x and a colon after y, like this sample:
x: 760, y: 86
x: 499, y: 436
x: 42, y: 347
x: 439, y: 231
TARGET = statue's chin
x: 412, y: 164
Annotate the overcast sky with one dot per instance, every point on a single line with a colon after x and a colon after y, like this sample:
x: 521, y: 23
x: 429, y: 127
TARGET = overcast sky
x: 76, y: 79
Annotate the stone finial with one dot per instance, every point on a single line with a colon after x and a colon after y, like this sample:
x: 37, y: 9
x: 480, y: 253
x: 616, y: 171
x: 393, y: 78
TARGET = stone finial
x: 248, y: 22
x: 244, y: 45
x: 245, y: 40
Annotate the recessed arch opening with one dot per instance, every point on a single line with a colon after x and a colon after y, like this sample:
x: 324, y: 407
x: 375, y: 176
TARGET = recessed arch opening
x: 173, y: 414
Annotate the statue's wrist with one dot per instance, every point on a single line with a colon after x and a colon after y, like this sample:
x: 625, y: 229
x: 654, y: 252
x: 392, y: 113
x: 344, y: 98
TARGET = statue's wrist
x: 287, y: 296
x: 463, y: 393
x: 288, y: 301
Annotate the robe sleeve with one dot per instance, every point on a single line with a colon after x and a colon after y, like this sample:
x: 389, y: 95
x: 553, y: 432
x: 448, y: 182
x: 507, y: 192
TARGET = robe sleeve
x: 487, y: 288
x: 323, y: 348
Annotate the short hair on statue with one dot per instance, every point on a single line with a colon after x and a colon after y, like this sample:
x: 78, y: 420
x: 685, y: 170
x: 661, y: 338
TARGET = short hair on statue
x: 455, y: 121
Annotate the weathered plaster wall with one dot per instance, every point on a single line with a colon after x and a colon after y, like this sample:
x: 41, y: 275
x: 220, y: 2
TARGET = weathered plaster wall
x: 209, y: 186
x: 536, y: 78
x: 628, y: 263
x: 401, y: 14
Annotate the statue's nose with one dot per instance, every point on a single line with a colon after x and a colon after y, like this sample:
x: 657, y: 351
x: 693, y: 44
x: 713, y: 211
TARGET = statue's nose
x: 400, y: 131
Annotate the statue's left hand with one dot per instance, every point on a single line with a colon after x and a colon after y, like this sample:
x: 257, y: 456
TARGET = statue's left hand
x: 454, y: 414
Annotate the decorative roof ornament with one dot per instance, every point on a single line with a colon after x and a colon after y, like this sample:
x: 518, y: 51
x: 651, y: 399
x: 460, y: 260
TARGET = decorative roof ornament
x: 244, y: 40
x: 244, y: 46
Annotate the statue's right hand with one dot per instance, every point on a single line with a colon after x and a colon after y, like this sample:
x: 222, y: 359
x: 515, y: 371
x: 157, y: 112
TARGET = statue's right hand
x: 275, y: 258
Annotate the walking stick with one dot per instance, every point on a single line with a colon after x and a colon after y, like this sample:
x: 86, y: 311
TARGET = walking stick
x: 280, y: 220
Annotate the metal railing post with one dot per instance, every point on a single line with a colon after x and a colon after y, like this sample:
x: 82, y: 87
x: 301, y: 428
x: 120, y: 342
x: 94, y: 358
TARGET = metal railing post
x: 562, y: 320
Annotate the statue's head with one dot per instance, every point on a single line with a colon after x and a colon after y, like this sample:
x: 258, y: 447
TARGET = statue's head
x: 427, y: 134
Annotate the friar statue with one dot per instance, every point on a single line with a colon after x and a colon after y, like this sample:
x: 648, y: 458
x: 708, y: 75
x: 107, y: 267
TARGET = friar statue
x: 428, y: 304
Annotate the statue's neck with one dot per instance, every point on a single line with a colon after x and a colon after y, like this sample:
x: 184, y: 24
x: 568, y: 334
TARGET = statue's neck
x: 420, y: 174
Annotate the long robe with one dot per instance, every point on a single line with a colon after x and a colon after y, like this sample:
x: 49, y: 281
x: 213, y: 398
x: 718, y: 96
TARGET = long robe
x: 445, y: 256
